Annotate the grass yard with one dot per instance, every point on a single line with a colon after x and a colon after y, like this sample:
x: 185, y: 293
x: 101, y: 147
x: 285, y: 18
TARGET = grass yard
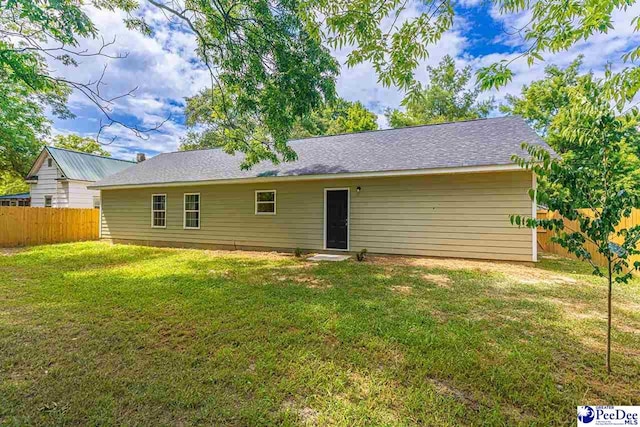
x: 97, y: 334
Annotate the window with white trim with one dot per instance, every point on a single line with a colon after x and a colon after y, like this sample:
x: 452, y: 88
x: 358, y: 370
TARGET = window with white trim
x: 47, y: 201
x: 265, y: 202
x: 159, y: 210
x: 192, y: 210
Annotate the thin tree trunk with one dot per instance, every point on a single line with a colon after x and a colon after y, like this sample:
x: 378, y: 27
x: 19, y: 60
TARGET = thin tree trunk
x: 609, y: 320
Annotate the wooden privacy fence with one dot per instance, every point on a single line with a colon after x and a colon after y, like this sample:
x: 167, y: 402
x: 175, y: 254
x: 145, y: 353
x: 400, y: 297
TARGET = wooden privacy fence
x: 545, y: 243
x: 23, y: 226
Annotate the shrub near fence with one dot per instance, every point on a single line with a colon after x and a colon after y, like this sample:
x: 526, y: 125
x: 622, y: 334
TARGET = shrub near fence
x: 545, y: 243
x: 24, y: 226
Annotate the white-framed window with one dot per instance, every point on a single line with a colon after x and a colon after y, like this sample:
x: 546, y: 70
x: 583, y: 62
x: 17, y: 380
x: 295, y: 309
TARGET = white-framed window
x: 265, y: 202
x: 191, y: 211
x: 159, y: 211
x: 47, y: 201
x: 49, y: 162
x: 5, y: 202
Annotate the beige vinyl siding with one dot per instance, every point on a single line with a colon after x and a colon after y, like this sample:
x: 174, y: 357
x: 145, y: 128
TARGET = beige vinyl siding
x: 461, y: 215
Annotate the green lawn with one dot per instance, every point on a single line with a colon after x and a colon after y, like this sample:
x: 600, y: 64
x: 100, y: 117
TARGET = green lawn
x: 97, y: 334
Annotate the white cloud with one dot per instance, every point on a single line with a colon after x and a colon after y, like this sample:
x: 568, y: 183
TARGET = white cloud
x: 165, y: 69
x: 360, y: 83
x: 598, y: 51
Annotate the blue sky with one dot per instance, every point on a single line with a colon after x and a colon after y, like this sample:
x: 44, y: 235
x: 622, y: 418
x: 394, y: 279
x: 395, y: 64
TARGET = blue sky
x: 165, y: 69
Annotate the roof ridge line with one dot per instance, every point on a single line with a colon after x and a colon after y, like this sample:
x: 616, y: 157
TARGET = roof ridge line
x: 509, y: 116
x: 89, y: 154
x: 401, y: 128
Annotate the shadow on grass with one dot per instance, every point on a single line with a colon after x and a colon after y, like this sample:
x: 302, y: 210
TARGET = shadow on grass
x: 167, y: 336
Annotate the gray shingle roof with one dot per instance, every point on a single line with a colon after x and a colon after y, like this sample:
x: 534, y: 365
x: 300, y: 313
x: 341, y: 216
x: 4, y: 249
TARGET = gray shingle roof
x: 86, y: 167
x: 482, y: 142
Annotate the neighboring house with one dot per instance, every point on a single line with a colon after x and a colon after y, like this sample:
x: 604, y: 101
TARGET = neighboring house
x: 19, y: 199
x: 440, y: 190
x: 59, y: 177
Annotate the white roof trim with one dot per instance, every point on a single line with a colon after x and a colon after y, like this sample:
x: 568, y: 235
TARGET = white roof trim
x: 72, y: 180
x: 414, y: 172
x: 40, y: 160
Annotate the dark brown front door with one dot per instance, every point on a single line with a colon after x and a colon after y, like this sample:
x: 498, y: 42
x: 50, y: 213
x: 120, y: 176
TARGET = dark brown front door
x: 337, y: 219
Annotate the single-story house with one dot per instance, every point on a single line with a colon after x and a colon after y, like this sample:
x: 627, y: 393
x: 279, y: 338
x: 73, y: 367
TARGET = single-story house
x: 59, y: 177
x: 437, y: 190
x: 18, y: 199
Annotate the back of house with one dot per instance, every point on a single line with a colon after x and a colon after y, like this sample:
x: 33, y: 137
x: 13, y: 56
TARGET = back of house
x: 438, y: 190
x: 59, y: 177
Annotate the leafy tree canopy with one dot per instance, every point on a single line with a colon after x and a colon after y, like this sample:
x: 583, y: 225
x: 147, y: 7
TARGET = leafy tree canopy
x: 269, y: 60
x: 11, y: 183
x: 340, y: 116
x: 79, y: 143
x: 595, y: 179
x: 22, y: 125
x: 541, y: 101
x: 30, y: 33
x: 446, y: 99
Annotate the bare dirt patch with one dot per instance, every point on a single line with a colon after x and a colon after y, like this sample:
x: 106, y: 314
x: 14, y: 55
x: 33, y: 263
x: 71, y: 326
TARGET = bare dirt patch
x: 521, y: 272
x: 447, y: 390
x: 308, y: 416
x: 469, y: 401
x: 272, y: 256
x: 404, y: 290
x: 628, y: 328
x: 438, y: 279
x: 361, y: 384
x: 308, y: 281
x: 10, y: 251
x: 223, y: 273
x: 587, y: 315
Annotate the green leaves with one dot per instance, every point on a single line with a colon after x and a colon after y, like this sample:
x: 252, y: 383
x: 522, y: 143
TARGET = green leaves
x: 270, y: 64
x: 10, y: 183
x: 339, y: 116
x: 78, y: 143
x: 445, y: 99
x: 267, y: 72
x: 26, y: 87
x: 22, y: 124
x: 595, y: 179
x: 394, y: 48
x: 494, y: 76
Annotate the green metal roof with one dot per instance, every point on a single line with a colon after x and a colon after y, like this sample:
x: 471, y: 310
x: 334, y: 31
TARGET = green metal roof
x: 84, y: 166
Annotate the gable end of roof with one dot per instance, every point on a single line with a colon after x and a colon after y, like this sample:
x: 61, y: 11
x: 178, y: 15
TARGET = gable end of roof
x: 75, y: 165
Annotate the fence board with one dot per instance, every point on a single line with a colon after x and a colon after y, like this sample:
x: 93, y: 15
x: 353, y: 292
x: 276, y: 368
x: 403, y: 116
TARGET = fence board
x: 545, y: 242
x: 25, y: 226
